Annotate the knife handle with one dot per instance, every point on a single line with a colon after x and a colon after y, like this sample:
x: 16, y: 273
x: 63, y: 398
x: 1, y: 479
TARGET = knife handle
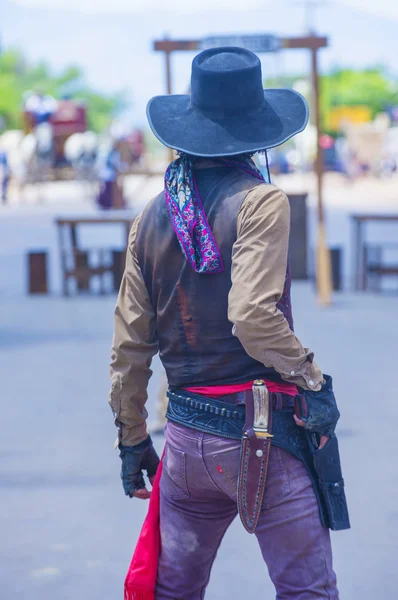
x: 261, y: 405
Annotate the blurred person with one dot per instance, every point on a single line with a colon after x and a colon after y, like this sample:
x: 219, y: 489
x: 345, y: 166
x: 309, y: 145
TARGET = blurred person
x: 137, y: 144
x: 207, y: 285
x: 109, y: 167
x: 4, y: 175
x: 123, y: 152
x: 41, y: 106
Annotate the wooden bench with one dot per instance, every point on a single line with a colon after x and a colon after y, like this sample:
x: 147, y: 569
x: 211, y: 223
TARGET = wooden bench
x: 77, y: 263
x: 369, y: 259
x: 376, y: 266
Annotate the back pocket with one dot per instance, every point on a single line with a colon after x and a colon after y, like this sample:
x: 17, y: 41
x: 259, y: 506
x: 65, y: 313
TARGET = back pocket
x: 223, y: 468
x: 174, y: 475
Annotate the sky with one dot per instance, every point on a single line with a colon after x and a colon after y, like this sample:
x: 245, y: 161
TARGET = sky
x: 387, y: 8
x: 112, y: 39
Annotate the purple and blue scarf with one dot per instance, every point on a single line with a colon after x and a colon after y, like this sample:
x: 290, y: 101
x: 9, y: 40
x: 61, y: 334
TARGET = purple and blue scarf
x: 188, y: 216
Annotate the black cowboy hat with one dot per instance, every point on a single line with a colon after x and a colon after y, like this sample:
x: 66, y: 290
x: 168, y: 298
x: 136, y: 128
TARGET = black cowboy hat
x: 228, y: 112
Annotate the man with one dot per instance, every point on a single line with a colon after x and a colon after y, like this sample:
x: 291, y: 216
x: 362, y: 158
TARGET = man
x: 41, y: 106
x: 4, y: 175
x: 110, y: 165
x: 207, y: 285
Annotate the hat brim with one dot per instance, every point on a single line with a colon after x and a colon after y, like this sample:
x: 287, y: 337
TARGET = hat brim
x: 181, y: 126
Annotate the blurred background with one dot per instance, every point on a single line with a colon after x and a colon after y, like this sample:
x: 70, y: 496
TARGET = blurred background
x: 78, y: 163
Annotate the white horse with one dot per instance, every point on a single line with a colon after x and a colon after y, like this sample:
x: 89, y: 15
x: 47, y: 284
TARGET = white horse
x: 81, y: 151
x: 31, y: 157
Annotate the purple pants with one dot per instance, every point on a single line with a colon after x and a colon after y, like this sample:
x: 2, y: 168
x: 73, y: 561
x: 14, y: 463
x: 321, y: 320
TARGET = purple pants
x: 198, y: 503
x: 105, y: 199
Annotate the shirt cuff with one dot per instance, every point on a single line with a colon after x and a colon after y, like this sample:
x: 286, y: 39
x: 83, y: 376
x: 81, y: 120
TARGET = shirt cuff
x: 131, y: 436
x: 304, y: 372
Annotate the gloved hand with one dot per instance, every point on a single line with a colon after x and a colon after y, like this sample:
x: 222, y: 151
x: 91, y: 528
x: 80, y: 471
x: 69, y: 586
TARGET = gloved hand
x: 134, y: 460
x: 317, y: 411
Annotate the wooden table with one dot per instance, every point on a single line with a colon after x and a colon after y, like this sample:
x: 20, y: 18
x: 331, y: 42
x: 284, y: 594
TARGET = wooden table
x: 80, y: 269
x: 359, y: 245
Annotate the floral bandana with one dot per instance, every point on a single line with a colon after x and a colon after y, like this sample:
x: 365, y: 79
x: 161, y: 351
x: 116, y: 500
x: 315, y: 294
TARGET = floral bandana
x: 188, y: 216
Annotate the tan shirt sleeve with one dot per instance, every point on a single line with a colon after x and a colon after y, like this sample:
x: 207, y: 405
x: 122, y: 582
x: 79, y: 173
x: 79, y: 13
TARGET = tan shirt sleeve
x: 134, y: 345
x: 259, y: 260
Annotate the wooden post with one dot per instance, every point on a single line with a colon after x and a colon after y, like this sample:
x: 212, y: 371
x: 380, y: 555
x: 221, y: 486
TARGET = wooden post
x: 37, y: 272
x: 357, y: 247
x: 62, y: 253
x: 323, y: 271
x: 167, y: 55
x: 82, y: 270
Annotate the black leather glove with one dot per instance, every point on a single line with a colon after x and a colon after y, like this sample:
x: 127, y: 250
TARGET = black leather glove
x: 134, y: 460
x: 318, y: 410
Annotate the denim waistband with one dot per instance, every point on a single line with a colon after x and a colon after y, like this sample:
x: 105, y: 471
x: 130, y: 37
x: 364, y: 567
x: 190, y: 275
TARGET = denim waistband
x: 216, y: 416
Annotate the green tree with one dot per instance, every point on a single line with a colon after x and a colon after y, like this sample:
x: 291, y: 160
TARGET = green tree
x: 17, y: 77
x: 372, y: 87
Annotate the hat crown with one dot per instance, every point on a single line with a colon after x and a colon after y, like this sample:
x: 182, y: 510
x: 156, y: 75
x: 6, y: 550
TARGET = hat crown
x: 226, y: 81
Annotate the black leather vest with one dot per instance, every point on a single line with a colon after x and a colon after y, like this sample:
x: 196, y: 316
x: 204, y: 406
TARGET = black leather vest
x: 196, y: 344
